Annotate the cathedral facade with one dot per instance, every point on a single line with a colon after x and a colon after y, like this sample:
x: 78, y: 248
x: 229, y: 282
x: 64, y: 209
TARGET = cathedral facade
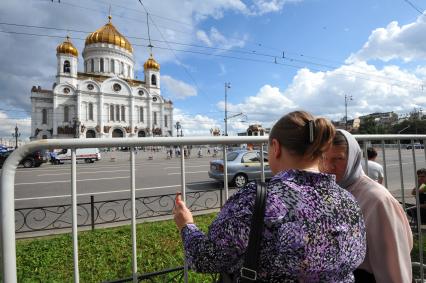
x: 105, y: 100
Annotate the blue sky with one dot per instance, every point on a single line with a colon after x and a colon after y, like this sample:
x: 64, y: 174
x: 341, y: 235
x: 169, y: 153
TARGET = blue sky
x: 372, y: 50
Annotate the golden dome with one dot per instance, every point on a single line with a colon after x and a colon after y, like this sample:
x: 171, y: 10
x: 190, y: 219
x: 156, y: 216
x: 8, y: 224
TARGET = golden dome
x: 151, y: 64
x: 109, y: 34
x: 67, y: 47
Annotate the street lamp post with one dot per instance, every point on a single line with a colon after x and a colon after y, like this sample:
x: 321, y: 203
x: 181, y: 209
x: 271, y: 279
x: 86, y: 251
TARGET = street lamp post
x: 178, y: 126
x: 16, y: 135
x: 347, y: 97
x: 227, y: 85
x: 76, y: 126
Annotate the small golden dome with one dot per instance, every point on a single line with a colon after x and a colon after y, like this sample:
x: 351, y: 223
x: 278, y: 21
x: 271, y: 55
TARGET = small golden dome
x: 151, y: 64
x: 67, y: 47
x: 109, y: 34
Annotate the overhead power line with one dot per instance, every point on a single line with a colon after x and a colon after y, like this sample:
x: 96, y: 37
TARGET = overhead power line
x: 413, y: 6
x: 276, y: 61
x: 252, y: 54
x: 281, y: 52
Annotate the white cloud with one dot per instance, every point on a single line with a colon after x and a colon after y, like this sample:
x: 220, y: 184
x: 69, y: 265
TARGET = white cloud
x: 323, y: 94
x: 265, y: 107
x: 260, y: 7
x: 7, y: 127
x: 223, y: 70
x: 177, y: 89
x: 203, y: 37
x: 197, y: 125
x: 395, y: 42
x: 217, y: 39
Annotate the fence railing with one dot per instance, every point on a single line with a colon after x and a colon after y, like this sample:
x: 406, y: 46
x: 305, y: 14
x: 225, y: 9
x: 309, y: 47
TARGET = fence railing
x: 8, y: 245
x: 92, y: 213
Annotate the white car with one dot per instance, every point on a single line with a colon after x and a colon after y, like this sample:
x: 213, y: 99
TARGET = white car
x: 89, y: 155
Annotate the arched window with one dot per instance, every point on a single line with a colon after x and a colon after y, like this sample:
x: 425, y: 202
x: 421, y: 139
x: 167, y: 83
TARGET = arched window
x: 128, y: 71
x: 153, y: 80
x: 122, y: 68
x: 44, y: 116
x: 112, y: 69
x: 102, y: 65
x: 140, y: 114
x: 123, y: 113
x: 92, y: 65
x: 66, y: 114
x: 67, y: 66
x: 165, y: 121
x: 155, y: 118
x: 85, y: 66
x: 117, y: 112
x: 91, y: 111
x: 111, y: 112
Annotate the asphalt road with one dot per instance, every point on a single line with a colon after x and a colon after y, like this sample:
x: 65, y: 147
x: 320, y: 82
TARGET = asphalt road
x: 109, y: 178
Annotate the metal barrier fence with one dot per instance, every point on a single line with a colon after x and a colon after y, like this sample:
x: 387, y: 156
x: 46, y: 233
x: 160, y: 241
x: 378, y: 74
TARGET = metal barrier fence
x: 8, y: 245
x: 90, y: 214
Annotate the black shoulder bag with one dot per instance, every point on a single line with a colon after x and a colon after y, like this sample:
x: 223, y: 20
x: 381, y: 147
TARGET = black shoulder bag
x: 249, y: 270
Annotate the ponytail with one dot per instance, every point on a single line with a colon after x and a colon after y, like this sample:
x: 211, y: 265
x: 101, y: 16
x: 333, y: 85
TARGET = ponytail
x: 304, y: 135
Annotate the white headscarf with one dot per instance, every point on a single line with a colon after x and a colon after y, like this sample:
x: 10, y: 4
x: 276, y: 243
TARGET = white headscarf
x: 353, y: 168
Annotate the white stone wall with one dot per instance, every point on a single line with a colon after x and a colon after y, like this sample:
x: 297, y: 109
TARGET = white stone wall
x: 110, y: 53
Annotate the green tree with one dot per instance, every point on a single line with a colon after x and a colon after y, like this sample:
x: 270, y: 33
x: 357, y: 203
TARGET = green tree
x: 368, y: 126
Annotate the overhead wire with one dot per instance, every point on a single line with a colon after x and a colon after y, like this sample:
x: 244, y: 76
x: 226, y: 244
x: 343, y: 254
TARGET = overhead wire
x: 252, y: 52
x: 360, y: 75
x: 288, y: 59
x: 282, y: 52
x: 413, y: 6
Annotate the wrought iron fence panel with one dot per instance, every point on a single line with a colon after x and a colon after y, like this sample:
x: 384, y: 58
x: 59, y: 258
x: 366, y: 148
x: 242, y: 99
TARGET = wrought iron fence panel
x: 32, y: 219
x: 174, y: 274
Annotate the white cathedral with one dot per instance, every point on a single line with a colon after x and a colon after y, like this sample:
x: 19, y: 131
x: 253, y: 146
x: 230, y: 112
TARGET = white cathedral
x: 105, y: 100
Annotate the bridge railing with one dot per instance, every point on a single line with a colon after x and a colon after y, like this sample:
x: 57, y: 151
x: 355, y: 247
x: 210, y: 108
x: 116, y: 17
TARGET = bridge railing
x: 8, y: 245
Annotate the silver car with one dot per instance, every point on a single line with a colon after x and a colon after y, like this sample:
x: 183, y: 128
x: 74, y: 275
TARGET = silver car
x: 243, y: 166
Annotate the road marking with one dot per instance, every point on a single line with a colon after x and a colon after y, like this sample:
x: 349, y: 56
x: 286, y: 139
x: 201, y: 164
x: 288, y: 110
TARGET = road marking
x: 195, y: 172
x: 94, y: 172
x: 109, y: 192
x: 68, y: 181
x: 95, y: 167
x: 178, y: 167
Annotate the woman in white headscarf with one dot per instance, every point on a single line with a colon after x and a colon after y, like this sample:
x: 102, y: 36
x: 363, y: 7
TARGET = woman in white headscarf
x: 389, y: 238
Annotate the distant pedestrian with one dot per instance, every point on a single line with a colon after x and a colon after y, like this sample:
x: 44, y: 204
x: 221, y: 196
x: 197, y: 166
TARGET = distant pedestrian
x: 375, y: 170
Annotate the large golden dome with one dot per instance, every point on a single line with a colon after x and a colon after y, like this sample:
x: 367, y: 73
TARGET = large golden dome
x: 151, y: 64
x: 67, y: 47
x: 109, y: 34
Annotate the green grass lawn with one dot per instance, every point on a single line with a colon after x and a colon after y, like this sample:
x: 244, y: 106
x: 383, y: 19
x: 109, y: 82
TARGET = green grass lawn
x: 105, y: 254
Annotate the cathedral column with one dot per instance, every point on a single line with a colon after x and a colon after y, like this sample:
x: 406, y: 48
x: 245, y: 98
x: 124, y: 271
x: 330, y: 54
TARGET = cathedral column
x: 101, y: 114
x: 149, y: 115
x: 162, y: 121
x: 54, y: 117
x: 131, y: 115
x: 78, y: 108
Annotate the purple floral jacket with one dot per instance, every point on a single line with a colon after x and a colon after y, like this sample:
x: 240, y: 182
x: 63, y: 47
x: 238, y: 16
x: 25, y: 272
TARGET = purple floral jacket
x: 313, y: 232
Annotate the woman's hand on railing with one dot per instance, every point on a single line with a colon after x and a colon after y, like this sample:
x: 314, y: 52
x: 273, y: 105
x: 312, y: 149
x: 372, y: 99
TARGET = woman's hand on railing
x: 181, y: 213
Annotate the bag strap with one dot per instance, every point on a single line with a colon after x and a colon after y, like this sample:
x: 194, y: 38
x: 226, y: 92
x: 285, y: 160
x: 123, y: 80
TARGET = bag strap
x: 249, y: 270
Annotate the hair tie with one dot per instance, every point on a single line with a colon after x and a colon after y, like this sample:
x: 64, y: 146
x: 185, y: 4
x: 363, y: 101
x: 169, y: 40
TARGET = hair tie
x: 311, y: 130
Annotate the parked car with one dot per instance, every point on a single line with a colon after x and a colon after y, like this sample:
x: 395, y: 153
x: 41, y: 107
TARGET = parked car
x: 243, y: 166
x: 34, y: 159
x: 416, y: 146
